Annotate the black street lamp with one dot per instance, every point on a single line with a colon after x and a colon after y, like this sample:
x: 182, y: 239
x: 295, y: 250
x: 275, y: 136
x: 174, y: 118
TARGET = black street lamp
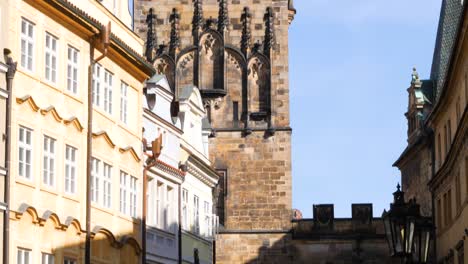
x: 408, y: 233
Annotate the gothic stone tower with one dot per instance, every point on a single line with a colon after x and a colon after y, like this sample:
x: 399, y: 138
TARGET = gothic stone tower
x: 236, y: 53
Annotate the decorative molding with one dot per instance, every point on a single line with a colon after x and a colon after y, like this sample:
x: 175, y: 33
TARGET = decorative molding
x: 197, y: 20
x: 246, y: 38
x: 51, y: 109
x: 269, y: 31
x: 175, y: 38
x: 132, y: 152
x: 151, y: 42
x: 75, y: 122
x: 48, y: 214
x: 106, y: 137
x: 202, y: 171
x: 223, y: 17
x: 30, y: 100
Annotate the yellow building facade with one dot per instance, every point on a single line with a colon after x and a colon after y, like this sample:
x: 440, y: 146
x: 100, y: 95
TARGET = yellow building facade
x: 53, y: 41
x: 449, y: 122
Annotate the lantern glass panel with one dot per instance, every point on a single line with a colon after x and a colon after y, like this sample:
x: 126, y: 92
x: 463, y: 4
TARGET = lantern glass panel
x: 426, y: 237
x: 409, y: 235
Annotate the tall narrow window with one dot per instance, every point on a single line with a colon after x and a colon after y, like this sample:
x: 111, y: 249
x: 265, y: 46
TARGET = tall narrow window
x: 449, y: 209
x: 133, y: 196
x: 185, y: 215
x: 107, y: 185
x: 449, y: 134
x: 196, y: 214
x: 466, y: 177
x: 27, y: 44
x: 47, y: 258
x: 70, y: 169
x: 51, y: 58
x: 167, y: 209
x: 108, y: 92
x: 235, y: 113
x: 72, y: 69
x: 207, y: 213
x: 222, y: 190
x: 123, y: 192
x: 128, y: 191
x: 439, y: 214
x: 446, y: 144
x: 123, y: 102
x: 445, y: 201
x: 23, y: 256
x: 159, y: 204
x: 48, y: 165
x: 25, y: 153
x: 96, y: 84
x: 439, y: 150
x: 95, y: 180
x: 458, y: 192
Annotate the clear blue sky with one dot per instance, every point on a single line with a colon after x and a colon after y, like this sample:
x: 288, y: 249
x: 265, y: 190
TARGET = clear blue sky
x: 350, y: 66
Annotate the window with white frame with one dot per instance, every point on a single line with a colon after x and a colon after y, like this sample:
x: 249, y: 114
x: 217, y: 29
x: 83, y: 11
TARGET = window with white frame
x: 159, y: 204
x: 70, y: 169
x: 123, y: 192
x: 27, y: 44
x: 47, y: 258
x: 23, y: 256
x: 185, y: 214
x: 51, y: 58
x: 72, y: 69
x: 48, y: 164
x: 123, y: 102
x: 69, y: 261
x: 25, y: 153
x: 196, y: 214
x: 207, y: 212
x: 107, y: 184
x: 108, y: 92
x: 96, y: 84
x: 101, y: 183
x: 133, y: 196
x: 128, y: 192
x: 95, y: 180
x: 168, y: 208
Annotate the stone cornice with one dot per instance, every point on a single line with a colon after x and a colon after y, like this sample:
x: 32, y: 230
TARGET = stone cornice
x: 202, y: 171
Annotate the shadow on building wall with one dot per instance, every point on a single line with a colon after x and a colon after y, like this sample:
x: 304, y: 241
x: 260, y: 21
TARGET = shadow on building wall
x: 45, y: 232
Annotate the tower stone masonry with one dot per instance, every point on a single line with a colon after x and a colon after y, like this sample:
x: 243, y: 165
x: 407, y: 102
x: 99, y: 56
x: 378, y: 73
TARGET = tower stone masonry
x: 236, y: 53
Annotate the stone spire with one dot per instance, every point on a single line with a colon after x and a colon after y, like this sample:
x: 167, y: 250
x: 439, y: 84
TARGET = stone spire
x: 197, y: 21
x: 223, y: 18
x: 151, y: 42
x: 246, y: 34
x: 269, y: 31
x: 175, y: 39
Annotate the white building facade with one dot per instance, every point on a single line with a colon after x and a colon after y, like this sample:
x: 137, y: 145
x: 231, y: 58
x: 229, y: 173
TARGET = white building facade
x: 180, y: 184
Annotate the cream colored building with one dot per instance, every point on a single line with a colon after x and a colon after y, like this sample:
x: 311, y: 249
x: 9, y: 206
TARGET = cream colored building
x: 52, y: 41
x: 449, y: 123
